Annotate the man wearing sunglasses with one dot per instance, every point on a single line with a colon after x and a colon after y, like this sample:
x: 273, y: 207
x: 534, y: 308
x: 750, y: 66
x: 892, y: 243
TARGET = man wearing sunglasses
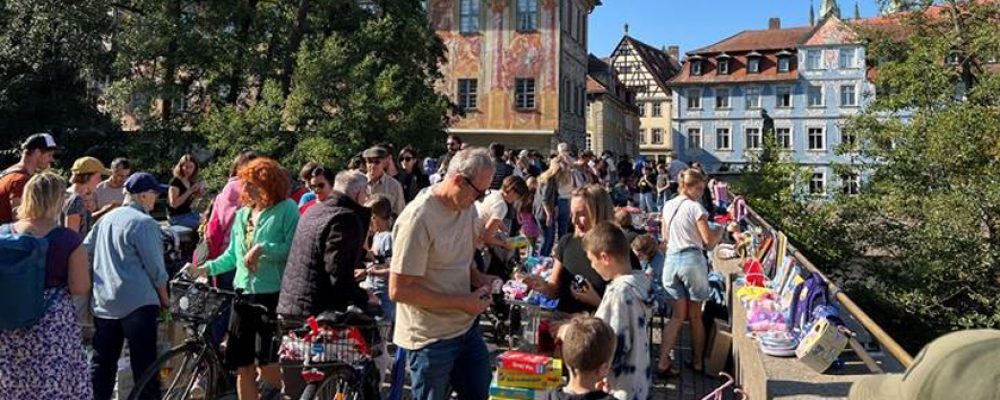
x: 431, y: 276
x: 381, y: 182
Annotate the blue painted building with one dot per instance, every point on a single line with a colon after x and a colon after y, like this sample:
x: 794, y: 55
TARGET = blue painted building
x: 809, y: 80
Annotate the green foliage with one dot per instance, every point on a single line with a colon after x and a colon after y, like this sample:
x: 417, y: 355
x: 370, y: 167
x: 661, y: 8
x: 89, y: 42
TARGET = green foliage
x: 928, y: 218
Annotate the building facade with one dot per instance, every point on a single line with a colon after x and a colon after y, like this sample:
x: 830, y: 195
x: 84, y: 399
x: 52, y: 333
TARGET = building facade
x: 807, y: 80
x: 516, y: 69
x: 612, y: 116
x: 646, y: 71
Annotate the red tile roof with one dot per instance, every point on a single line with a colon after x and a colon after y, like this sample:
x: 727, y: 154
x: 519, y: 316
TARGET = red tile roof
x: 595, y: 87
x: 760, y: 40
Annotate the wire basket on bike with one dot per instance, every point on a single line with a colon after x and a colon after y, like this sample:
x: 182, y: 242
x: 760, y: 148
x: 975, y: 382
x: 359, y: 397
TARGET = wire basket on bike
x: 322, y: 344
x: 193, y: 301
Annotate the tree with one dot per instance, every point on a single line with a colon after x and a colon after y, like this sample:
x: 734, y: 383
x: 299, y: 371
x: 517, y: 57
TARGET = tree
x: 929, y: 215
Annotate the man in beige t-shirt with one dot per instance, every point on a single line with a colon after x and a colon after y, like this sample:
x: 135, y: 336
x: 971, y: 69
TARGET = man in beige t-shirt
x: 432, y: 280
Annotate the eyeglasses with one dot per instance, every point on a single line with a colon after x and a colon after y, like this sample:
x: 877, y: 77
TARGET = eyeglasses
x: 480, y: 194
x: 374, y: 160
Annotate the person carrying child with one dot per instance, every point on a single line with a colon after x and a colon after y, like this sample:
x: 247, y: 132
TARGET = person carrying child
x: 624, y: 308
x: 588, y: 344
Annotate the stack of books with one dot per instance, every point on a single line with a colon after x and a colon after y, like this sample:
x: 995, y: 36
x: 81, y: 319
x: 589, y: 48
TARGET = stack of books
x: 524, y: 376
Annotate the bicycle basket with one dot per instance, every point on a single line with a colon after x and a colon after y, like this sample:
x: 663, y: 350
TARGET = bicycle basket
x: 193, y: 301
x: 332, y: 344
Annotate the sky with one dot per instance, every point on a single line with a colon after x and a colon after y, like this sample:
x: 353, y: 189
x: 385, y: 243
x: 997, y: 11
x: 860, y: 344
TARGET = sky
x: 692, y: 24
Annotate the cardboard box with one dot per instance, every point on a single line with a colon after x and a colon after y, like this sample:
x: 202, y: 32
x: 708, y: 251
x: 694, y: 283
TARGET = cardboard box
x: 821, y: 345
x: 525, y: 380
x: 720, y: 348
x: 501, y: 392
x: 525, y: 362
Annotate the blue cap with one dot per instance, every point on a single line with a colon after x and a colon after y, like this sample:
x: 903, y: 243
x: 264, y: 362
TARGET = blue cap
x: 141, y: 182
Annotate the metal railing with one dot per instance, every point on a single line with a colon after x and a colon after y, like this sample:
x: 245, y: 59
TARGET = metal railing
x: 876, y: 331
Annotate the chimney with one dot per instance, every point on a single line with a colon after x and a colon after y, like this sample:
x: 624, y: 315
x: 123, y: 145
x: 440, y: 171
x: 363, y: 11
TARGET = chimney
x: 774, y: 23
x: 674, y: 51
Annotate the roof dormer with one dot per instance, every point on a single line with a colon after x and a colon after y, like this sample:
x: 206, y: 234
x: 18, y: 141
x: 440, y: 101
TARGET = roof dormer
x: 723, y: 62
x: 753, y: 62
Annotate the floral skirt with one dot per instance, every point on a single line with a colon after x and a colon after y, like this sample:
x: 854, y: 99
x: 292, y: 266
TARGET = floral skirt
x: 46, y: 361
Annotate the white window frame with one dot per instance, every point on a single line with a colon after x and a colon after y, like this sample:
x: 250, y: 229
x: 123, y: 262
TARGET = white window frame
x: 850, y: 145
x: 696, y: 67
x: 822, y: 96
x: 809, y: 138
x: 851, y: 183
x: 692, y: 133
x: 756, y: 144
x: 657, y: 109
x: 642, y: 109
x: 728, y: 101
x: 788, y: 63
x: 527, y: 15
x: 728, y: 134
x: 723, y: 67
x: 657, y: 135
x: 696, y: 96
x: 777, y: 97
x: 751, y: 61
x: 790, y: 137
x: 852, y: 56
x: 642, y: 136
x: 746, y: 97
x: 818, y: 61
x: 821, y: 181
x: 525, y: 100
x: 469, y: 100
x: 854, y: 95
x: 468, y: 16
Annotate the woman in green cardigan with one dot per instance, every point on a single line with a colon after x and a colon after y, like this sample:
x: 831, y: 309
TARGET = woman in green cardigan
x: 261, y: 237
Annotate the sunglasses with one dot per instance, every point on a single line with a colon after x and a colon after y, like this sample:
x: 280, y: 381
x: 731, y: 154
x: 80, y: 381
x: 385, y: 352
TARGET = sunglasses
x: 406, y: 158
x: 480, y: 194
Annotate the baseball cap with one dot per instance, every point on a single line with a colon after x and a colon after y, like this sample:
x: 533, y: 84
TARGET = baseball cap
x: 141, y: 182
x: 959, y: 365
x: 39, y: 141
x: 89, y: 165
x: 375, y: 152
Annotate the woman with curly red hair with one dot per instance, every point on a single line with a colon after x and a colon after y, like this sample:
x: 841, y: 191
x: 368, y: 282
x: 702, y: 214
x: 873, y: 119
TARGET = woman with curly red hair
x: 261, y: 237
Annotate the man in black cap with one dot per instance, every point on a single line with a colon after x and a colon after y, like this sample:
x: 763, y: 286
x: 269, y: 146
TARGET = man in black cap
x: 381, y: 182
x: 37, y: 153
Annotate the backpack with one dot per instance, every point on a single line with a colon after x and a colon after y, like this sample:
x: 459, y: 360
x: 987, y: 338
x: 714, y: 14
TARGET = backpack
x: 802, y: 310
x: 22, y: 279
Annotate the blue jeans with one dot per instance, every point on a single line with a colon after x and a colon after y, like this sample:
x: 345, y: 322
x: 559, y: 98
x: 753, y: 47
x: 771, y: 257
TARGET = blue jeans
x: 562, y: 218
x: 139, y: 329
x: 647, y: 202
x: 461, y: 364
x: 190, y: 220
x: 388, y: 307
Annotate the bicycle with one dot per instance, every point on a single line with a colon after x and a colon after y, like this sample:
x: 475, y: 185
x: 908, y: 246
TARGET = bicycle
x: 337, y: 352
x: 197, y: 363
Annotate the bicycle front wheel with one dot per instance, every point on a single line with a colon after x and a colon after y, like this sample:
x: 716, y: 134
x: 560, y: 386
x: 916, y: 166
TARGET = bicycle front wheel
x: 185, y: 372
x: 339, y: 384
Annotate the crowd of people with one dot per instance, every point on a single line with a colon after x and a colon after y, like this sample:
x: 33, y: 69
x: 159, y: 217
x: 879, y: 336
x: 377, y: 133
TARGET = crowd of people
x: 422, y: 239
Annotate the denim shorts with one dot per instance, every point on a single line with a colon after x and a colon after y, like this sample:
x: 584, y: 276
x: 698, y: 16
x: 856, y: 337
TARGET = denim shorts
x: 685, y: 275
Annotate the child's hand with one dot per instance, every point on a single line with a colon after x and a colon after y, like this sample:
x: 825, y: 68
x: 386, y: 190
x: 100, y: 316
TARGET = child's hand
x: 603, y: 386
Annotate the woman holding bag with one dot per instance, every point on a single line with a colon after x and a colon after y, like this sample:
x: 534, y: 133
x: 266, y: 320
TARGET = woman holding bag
x: 685, y: 274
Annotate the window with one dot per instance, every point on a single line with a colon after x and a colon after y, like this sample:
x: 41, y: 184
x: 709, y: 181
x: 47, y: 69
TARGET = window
x: 752, y: 97
x: 694, y: 138
x: 624, y: 69
x: 815, y: 96
x: 527, y: 15
x: 753, y: 138
x: 784, y: 63
x: 657, y: 136
x: 753, y: 65
x: 642, y: 136
x: 722, y: 139
x: 694, y: 99
x: 468, y: 13
x: 722, y: 98
x: 847, y: 59
x: 783, y: 97
x: 657, y: 109
x: 814, y: 59
x: 524, y: 93
x: 784, y: 138
x: 642, y: 109
x: 696, y: 67
x: 724, y: 67
x: 848, y: 96
x: 467, y: 94
x: 848, y: 140
x: 852, y: 183
x: 816, y: 139
x: 817, y: 185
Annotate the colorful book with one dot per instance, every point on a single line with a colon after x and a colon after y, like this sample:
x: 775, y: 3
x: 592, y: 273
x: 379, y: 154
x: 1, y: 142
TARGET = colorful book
x: 526, y: 380
x: 502, y: 392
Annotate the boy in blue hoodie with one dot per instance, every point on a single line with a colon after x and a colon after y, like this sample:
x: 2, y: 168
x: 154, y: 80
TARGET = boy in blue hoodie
x: 624, y: 308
